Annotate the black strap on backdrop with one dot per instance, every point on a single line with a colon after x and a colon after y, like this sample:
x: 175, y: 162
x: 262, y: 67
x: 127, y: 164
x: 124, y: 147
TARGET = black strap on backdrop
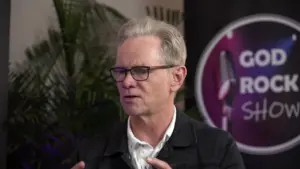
x: 4, y: 52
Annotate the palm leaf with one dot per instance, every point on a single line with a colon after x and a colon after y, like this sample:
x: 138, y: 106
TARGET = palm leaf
x: 64, y: 83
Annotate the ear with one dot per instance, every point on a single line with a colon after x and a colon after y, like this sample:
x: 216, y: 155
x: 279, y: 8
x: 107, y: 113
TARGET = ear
x: 178, y: 76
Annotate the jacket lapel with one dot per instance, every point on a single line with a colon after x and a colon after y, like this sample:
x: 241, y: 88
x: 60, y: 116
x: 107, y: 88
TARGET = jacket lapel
x: 182, y: 137
x: 117, y: 144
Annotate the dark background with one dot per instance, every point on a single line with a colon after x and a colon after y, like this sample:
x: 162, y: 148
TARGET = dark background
x: 203, y: 19
x: 4, y: 52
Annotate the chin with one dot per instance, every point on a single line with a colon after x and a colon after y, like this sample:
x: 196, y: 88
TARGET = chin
x: 133, y: 110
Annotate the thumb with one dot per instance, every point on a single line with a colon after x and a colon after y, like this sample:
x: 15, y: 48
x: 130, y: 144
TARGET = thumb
x: 80, y: 165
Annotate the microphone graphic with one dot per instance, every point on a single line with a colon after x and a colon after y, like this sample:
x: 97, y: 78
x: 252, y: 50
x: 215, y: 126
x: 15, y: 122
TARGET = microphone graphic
x: 228, y: 88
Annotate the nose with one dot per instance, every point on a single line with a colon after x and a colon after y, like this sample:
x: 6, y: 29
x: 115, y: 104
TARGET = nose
x: 128, y: 82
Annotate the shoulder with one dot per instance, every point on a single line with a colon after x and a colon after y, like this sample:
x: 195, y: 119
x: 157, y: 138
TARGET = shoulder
x: 209, y: 133
x: 217, y: 146
x: 93, y: 147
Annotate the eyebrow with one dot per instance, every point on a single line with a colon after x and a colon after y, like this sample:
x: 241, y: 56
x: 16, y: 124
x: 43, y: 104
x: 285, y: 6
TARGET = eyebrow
x: 126, y: 67
x: 121, y: 67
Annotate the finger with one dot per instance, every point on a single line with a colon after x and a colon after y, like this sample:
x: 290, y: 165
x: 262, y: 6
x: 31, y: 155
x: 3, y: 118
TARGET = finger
x: 80, y: 165
x: 159, y: 164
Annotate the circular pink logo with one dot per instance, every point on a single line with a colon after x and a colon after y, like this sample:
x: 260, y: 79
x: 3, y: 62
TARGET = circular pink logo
x: 247, y: 83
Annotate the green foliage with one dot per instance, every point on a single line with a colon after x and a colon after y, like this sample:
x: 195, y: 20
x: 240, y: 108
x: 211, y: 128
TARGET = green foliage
x: 64, y: 81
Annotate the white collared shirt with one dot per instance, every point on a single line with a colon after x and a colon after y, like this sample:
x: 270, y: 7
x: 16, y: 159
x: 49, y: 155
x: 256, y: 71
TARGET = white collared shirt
x: 140, y: 150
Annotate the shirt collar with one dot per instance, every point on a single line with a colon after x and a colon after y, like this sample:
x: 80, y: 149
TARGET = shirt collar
x: 184, y: 134
x: 133, y: 141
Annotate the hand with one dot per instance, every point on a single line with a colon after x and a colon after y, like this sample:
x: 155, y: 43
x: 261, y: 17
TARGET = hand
x: 158, y: 163
x: 80, y: 165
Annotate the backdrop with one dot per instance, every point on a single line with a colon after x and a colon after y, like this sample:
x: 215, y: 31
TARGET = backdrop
x: 243, y: 64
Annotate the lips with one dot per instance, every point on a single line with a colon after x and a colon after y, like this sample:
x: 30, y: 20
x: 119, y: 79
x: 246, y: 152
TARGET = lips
x: 130, y: 96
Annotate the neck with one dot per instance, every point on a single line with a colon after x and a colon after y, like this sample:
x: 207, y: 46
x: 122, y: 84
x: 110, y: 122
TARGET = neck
x: 151, y: 128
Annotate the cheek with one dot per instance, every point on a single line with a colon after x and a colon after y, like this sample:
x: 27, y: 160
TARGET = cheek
x: 120, y: 88
x: 159, y: 90
x: 155, y: 90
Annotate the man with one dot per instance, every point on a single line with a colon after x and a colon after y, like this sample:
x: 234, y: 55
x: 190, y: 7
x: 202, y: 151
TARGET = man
x: 149, y: 70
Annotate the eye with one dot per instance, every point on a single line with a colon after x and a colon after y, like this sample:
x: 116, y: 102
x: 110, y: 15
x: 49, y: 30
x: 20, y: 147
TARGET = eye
x: 140, y: 70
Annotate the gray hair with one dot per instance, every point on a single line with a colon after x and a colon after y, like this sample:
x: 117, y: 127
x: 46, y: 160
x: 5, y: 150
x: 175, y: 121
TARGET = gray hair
x: 173, y: 49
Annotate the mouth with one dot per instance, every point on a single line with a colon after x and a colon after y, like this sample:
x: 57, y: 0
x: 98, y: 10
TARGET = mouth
x: 130, y: 96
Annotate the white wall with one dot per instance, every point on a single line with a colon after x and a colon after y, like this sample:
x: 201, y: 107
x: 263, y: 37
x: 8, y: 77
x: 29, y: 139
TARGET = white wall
x: 30, y: 19
x: 135, y: 8
x: 28, y: 23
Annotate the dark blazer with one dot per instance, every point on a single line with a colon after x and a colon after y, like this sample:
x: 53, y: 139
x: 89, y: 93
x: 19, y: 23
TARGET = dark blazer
x: 193, y: 145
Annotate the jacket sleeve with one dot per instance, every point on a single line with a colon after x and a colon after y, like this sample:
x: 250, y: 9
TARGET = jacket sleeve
x: 231, y: 158
x: 217, y: 149
x: 91, y: 151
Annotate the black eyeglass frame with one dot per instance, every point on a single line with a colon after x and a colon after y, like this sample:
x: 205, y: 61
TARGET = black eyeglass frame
x: 147, y: 68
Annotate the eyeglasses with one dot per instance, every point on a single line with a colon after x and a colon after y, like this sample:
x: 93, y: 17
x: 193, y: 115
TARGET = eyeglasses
x: 139, y: 73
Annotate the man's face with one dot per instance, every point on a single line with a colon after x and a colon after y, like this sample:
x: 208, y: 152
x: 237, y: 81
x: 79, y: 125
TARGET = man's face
x: 143, y: 97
